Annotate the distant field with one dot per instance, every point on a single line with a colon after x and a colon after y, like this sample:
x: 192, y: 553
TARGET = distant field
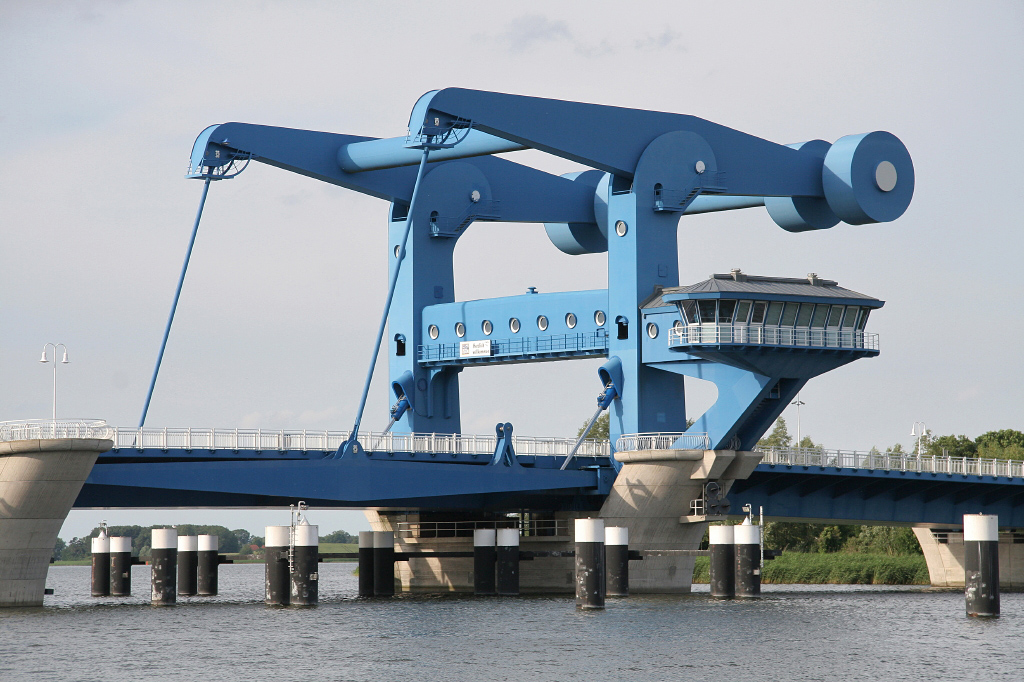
x: 330, y: 547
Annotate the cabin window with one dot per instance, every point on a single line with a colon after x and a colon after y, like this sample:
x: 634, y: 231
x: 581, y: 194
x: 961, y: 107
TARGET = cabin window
x: 774, y: 312
x: 689, y: 309
x: 742, y: 312
x: 850, y: 320
x: 835, y: 316
x: 726, y: 308
x: 863, y: 318
x: 804, y: 318
x: 789, y: 314
x: 819, y: 317
x: 707, y: 311
x: 758, y: 316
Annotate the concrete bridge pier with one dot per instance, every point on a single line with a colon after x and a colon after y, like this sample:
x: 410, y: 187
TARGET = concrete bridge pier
x: 654, y: 496
x: 39, y: 481
x: 944, y: 552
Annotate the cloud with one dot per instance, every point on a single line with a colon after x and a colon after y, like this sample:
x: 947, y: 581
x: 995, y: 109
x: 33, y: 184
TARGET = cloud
x: 667, y: 39
x: 525, y: 32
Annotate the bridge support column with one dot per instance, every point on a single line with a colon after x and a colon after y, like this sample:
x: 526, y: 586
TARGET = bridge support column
x: 39, y: 481
x: 652, y: 496
x: 944, y: 553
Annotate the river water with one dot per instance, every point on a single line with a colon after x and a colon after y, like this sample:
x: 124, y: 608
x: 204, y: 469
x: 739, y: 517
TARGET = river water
x: 793, y: 632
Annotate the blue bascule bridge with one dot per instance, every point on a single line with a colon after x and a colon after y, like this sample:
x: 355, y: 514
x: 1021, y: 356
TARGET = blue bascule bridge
x: 758, y: 338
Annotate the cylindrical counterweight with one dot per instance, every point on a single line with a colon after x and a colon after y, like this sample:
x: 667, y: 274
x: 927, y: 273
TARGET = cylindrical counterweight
x: 981, y: 564
x: 101, y: 565
x: 188, y: 564
x: 120, y: 566
x: 208, y: 559
x: 164, y: 564
x: 484, y: 559
x: 723, y: 561
x: 590, y: 576
x: 616, y: 561
x: 366, y: 563
x: 383, y: 563
x: 507, y: 562
x: 305, y: 578
x: 275, y: 558
x: 747, y: 545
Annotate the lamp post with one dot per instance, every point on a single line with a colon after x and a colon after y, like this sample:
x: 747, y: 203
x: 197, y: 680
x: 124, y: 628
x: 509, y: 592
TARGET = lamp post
x: 798, y: 403
x: 920, y: 436
x: 64, y: 361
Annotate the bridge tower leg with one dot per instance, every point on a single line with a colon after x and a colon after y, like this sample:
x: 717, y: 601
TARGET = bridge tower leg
x: 39, y: 481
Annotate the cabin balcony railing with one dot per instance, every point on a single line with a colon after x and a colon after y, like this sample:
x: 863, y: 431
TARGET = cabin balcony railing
x: 712, y: 334
x: 662, y: 441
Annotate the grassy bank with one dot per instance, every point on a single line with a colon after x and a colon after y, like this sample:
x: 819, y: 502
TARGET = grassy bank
x: 836, y: 569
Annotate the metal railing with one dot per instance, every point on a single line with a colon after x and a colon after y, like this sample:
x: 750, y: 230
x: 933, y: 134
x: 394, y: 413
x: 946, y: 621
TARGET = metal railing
x: 662, y: 441
x: 584, y: 342
x: 742, y: 334
x: 893, y: 462
x: 329, y: 441
x: 33, y: 429
x: 464, y: 529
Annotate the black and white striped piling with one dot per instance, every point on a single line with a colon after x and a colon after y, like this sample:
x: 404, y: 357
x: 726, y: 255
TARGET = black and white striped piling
x: 723, y: 561
x: 747, y: 545
x: 164, y: 565
x: 981, y: 564
x: 275, y: 557
x: 506, y: 556
x: 188, y: 564
x: 305, y: 574
x: 121, y: 566
x: 484, y: 559
x: 616, y: 561
x: 101, y: 565
x: 590, y: 575
x: 366, y: 563
x: 208, y: 564
x: 383, y: 563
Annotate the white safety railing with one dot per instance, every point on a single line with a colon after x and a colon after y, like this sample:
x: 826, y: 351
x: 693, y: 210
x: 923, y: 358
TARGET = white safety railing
x: 742, y: 334
x: 662, y: 441
x: 33, y: 429
x: 329, y: 441
x: 893, y: 462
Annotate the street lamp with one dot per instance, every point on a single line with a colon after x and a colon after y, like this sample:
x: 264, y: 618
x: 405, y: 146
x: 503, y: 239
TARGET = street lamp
x: 798, y: 403
x: 55, y: 346
x: 920, y: 436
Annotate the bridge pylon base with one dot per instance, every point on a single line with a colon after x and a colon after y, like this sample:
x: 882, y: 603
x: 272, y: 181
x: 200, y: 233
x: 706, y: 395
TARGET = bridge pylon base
x: 39, y: 481
x: 944, y: 552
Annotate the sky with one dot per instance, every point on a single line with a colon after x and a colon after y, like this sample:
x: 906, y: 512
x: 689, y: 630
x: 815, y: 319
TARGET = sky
x: 101, y: 102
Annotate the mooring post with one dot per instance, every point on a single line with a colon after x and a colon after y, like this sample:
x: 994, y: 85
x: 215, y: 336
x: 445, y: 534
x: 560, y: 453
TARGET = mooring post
x: 208, y: 560
x: 747, y: 545
x: 275, y: 558
x: 507, y: 562
x: 366, y: 563
x: 164, y: 565
x: 188, y: 564
x: 981, y: 564
x: 723, y: 561
x: 590, y: 575
x: 120, y: 566
x: 484, y: 560
x: 305, y: 574
x: 383, y: 563
x: 101, y: 565
x: 616, y: 562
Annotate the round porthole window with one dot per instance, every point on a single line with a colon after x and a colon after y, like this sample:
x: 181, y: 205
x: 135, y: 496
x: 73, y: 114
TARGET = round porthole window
x: 542, y: 323
x: 678, y: 324
x: 433, y: 331
x: 487, y: 327
x: 621, y: 228
x: 460, y: 329
x: 513, y: 324
x: 652, y: 330
x: 570, y: 320
x: 599, y: 318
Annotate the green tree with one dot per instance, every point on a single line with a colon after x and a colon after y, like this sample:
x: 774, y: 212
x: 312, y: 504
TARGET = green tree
x: 778, y: 438
x: 895, y: 449
x: 58, y: 549
x: 893, y: 541
x: 951, y: 446
x: 1003, y: 444
x: 600, y: 430
x: 340, y: 536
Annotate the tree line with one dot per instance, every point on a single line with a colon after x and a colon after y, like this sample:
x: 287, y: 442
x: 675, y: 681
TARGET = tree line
x: 237, y: 541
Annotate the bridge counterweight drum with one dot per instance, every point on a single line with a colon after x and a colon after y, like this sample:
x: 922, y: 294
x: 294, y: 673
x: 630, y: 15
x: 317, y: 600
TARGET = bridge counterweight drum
x: 981, y: 564
x: 276, y: 560
x: 305, y: 576
x: 101, y: 565
x: 208, y: 565
x: 383, y: 563
x: 590, y: 572
x: 507, y: 556
x: 616, y: 552
x: 747, y: 545
x: 723, y: 561
x: 484, y: 560
x: 366, y: 563
x: 188, y: 564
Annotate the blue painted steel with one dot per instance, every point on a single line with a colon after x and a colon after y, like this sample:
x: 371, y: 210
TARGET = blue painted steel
x: 399, y: 255
x: 394, y: 152
x: 174, y: 303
